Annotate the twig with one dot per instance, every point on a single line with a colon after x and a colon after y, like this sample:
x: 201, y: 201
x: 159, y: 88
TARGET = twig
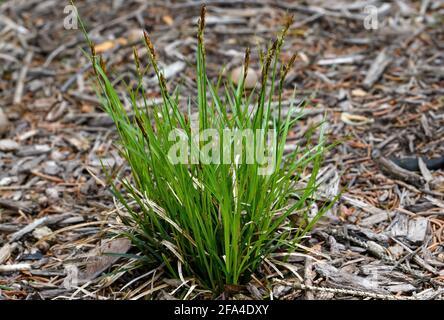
x: 372, y: 247
x: 21, y: 79
x: 36, y: 223
x: 15, y: 267
x: 377, y: 68
x: 396, y: 171
x: 351, y: 292
x: 308, y: 276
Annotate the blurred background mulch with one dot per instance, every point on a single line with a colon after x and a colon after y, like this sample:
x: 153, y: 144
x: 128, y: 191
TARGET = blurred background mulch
x: 381, y: 90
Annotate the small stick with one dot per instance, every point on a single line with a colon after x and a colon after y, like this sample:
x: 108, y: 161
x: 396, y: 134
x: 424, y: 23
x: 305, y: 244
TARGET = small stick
x: 36, y: 223
x: 396, y: 171
x: 21, y: 80
x: 351, y: 292
x: 19, y: 234
x: 377, y: 69
x: 309, y: 275
x: 377, y: 253
x: 15, y: 267
x: 47, y: 177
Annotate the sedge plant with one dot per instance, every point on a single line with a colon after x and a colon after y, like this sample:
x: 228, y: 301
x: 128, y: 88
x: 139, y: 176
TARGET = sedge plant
x: 213, y: 221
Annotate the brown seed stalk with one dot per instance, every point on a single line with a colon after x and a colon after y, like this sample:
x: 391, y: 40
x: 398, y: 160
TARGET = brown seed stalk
x: 246, y: 62
x: 163, y: 82
x: 288, y: 66
x: 203, y: 11
x: 141, y: 127
x: 273, y: 49
x: 102, y: 64
x: 136, y: 59
x: 149, y: 44
x: 268, y: 59
x: 288, y: 22
x: 93, y: 49
x: 201, y: 27
x: 93, y: 57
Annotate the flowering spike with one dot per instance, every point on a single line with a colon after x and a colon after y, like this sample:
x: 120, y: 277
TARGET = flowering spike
x: 136, y: 59
x: 149, y: 44
x: 288, y: 22
x: 203, y: 11
x: 246, y: 62
x: 93, y: 56
x: 102, y: 64
x: 287, y: 67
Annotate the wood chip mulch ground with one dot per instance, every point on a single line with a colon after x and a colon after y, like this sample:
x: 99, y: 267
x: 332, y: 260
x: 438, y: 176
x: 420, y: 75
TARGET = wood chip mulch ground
x: 381, y: 91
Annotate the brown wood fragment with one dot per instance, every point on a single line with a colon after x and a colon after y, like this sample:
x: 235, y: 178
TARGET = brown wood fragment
x: 397, y: 172
x: 103, y: 257
x: 376, y: 69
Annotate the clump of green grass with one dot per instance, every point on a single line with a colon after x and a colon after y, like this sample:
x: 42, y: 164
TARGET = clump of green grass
x: 212, y: 221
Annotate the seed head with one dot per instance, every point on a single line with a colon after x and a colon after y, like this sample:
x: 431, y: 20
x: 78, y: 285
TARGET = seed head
x: 163, y: 81
x: 246, y: 62
x: 268, y: 58
x: 291, y: 62
x: 273, y: 48
x: 141, y: 127
x: 201, y: 26
x: 102, y: 64
x: 93, y: 49
x: 203, y: 11
x: 136, y: 59
x: 93, y: 57
x: 288, y: 22
x: 149, y: 44
x: 287, y: 67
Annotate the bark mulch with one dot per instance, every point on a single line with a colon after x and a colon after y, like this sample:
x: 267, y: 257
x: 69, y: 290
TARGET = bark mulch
x: 381, y: 91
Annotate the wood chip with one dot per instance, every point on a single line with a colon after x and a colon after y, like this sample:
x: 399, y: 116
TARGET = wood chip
x: 376, y: 69
x: 98, y: 260
x: 15, y: 267
x: 4, y: 122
